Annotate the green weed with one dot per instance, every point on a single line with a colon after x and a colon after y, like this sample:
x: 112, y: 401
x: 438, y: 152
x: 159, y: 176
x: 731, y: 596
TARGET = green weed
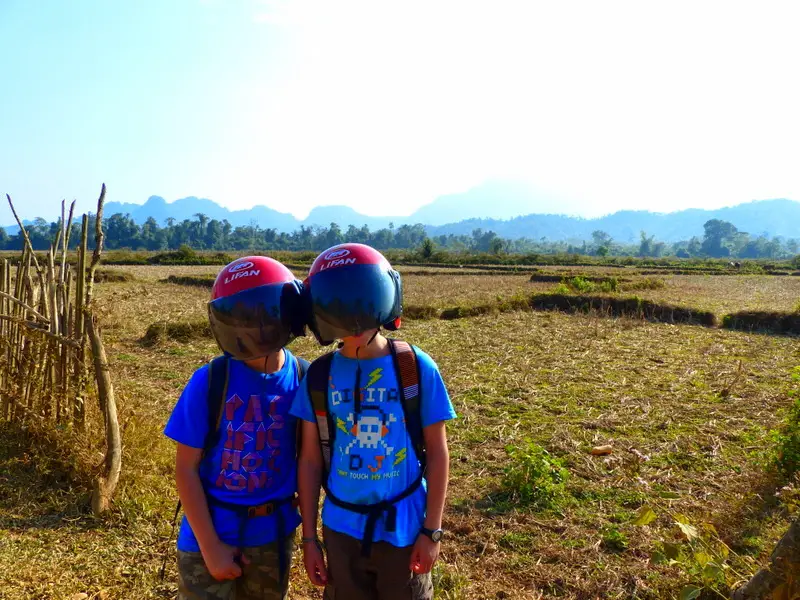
x: 448, y: 582
x: 516, y: 541
x: 614, y: 540
x: 706, y: 561
x: 787, y: 439
x: 534, y: 478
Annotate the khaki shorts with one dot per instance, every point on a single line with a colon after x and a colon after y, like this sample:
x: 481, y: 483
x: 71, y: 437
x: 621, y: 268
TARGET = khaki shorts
x: 384, y: 575
x: 260, y: 579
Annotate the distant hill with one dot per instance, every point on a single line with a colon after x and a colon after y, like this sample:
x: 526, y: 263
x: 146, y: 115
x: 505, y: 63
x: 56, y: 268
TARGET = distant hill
x: 512, y: 210
x: 501, y: 200
x: 772, y: 217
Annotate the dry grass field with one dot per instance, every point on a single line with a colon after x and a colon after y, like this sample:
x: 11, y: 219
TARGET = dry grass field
x: 688, y: 411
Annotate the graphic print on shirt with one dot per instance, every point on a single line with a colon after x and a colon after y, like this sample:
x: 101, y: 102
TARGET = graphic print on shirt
x: 367, y: 442
x: 255, y: 434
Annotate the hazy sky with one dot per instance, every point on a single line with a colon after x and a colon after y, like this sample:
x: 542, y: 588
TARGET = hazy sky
x: 386, y: 105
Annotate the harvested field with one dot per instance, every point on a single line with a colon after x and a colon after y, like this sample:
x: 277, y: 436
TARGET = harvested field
x: 724, y: 295
x: 687, y: 410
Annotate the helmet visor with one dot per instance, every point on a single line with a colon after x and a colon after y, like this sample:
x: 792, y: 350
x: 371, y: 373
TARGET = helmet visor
x: 349, y: 300
x: 256, y: 322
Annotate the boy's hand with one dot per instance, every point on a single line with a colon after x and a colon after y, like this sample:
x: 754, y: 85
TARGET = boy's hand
x: 221, y: 561
x: 424, y: 554
x: 315, y: 563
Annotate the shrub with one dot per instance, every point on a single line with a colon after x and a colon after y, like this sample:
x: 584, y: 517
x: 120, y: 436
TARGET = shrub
x: 610, y: 285
x: 534, y: 478
x: 563, y: 289
x: 581, y: 285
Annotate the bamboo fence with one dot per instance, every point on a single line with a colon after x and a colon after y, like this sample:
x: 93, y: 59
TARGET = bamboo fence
x: 50, y: 344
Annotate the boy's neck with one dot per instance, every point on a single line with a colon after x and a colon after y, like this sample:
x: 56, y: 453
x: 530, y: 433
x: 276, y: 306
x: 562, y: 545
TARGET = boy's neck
x: 271, y: 363
x: 362, y: 348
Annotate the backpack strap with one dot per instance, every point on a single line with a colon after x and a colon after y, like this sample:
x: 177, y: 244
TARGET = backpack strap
x: 218, y: 375
x: 406, y: 366
x: 317, y: 381
x: 302, y: 367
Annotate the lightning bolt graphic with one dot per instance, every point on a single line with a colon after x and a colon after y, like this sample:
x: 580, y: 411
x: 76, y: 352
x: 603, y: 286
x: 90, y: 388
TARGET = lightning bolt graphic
x: 400, y: 457
x: 374, y: 377
x: 341, y: 425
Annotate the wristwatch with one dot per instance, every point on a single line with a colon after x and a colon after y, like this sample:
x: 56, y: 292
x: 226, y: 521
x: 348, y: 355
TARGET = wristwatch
x: 434, y: 534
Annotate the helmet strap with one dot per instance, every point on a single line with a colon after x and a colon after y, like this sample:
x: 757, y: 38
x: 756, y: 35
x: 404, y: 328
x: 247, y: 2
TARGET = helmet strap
x: 357, y: 389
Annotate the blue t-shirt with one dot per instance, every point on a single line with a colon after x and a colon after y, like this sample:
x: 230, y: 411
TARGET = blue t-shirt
x: 373, y: 458
x: 254, y: 461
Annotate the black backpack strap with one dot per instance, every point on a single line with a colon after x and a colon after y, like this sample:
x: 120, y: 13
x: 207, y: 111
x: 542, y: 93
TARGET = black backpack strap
x: 317, y: 379
x: 406, y: 366
x: 302, y: 368
x: 218, y: 374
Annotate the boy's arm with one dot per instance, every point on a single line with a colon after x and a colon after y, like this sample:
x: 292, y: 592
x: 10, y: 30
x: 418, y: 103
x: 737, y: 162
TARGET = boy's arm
x: 309, y: 480
x: 193, y: 498
x: 438, y: 457
x: 426, y: 551
x: 219, y: 557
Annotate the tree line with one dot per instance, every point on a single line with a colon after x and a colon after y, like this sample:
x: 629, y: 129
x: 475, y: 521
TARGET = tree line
x: 720, y: 239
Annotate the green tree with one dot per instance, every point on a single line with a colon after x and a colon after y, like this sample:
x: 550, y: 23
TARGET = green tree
x: 200, y: 230
x: 333, y: 237
x: 497, y: 245
x: 646, y: 244
x: 717, y: 233
x: 601, y: 238
x: 427, y: 249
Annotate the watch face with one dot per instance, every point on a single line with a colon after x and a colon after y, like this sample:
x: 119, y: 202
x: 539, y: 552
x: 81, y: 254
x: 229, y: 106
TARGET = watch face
x: 436, y: 536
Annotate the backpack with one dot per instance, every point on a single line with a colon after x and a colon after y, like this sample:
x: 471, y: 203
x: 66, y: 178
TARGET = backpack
x: 406, y: 367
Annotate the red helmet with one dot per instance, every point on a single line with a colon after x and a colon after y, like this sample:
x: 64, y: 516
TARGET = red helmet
x: 352, y: 288
x: 256, y: 307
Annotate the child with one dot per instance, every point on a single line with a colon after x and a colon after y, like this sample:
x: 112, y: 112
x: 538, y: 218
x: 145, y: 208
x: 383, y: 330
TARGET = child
x: 236, y: 463
x: 373, y: 416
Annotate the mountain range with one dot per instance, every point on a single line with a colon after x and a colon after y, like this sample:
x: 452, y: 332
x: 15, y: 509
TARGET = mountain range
x: 511, y: 210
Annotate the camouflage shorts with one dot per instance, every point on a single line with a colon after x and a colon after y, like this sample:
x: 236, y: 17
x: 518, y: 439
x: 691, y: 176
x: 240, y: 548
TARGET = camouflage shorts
x: 260, y: 579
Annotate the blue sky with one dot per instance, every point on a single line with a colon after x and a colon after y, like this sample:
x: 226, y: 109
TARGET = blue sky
x: 385, y: 105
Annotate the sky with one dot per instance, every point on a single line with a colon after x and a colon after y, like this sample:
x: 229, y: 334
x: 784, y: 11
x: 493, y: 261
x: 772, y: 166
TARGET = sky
x: 383, y: 106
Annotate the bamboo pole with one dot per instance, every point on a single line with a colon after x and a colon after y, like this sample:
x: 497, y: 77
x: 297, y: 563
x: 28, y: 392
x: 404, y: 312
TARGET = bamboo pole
x: 79, y: 372
x: 5, y: 330
x: 105, y: 484
x: 98, y: 245
x: 24, y: 233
